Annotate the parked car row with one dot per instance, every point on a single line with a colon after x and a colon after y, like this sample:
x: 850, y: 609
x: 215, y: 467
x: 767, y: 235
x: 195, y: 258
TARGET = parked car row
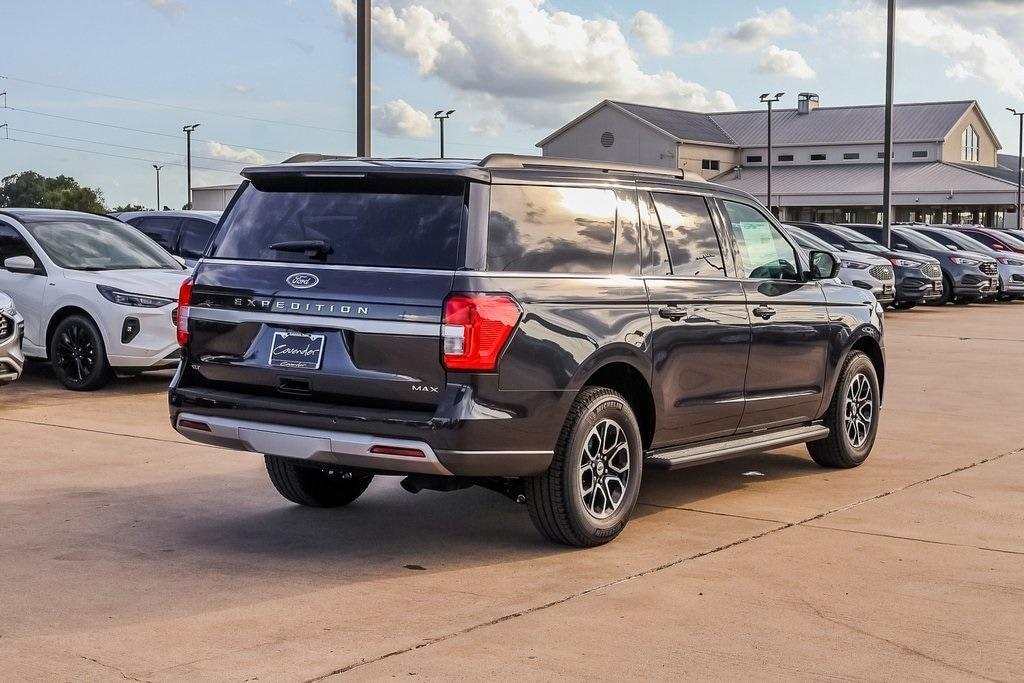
x: 98, y: 297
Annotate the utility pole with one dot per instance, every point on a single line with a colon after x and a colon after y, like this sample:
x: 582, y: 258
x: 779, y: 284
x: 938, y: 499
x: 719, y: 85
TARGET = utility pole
x: 890, y: 70
x: 1020, y: 160
x: 769, y: 100
x: 188, y: 159
x: 157, y: 168
x: 363, y: 70
x: 441, y: 115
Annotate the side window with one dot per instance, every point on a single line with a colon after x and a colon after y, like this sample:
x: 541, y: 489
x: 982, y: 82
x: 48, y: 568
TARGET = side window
x: 13, y: 244
x: 692, y: 242
x: 763, y: 252
x: 655, y: 252
x: 984, y: 239
x: 627, y: 236
x: 195, y: 235
x: 163, y: 231
x: 540, y: 229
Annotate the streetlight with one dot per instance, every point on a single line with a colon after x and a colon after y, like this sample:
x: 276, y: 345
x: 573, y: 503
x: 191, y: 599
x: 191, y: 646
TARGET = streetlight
x: 157, y: 168
x: 363, y: 64
x: 1020, y: 160
x: 890, y: 70
x: 188, y: 158
x: 441, y: 115
x: 768, y: 99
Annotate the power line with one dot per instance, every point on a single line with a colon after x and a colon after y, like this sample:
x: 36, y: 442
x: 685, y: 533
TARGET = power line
x: 176, y: 106
x: 116, y: 156
x: 137, y: 149
x: 134, y: 130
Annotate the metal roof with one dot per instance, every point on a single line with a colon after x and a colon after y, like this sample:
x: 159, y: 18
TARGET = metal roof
x: 847, y: 179
x: 685, y: 125
x: 931, y: 121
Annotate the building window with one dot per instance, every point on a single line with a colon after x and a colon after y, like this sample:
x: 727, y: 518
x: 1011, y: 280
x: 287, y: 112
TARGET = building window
x: 881, y: 155
x: 709, y: 164
x: 754, y: 159
x: 849, y: 156
x: 785, y: 157
x: 818, y: 157
x: 607, y: 139
x: 920, y: 154
x: 971, y: 150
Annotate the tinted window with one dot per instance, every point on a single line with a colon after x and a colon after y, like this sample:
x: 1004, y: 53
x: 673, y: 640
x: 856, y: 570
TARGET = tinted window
x: 818, y: 157
x: 754, y: 159
x: 540, y: 229
x: 655, y: 251
x: 984, y: 239
x: 364, y: 222
x: 763, y: 251
x: 163, y: 231
x: 692, y: 242
x: 195, y: 235
x: 97, y: 243
x: 785, y: 157
x: 851, y: 155
x: 13, y: 244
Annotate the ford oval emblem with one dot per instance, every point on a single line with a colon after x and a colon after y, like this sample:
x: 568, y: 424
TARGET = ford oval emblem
x: 303, y: 280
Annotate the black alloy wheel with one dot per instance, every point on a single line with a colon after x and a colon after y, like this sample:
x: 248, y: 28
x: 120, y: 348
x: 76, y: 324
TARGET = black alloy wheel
x: 78, y: 355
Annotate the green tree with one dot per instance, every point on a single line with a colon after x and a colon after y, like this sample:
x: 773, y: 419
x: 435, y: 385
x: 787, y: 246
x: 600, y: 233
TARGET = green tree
x: 30, y: 190
x: 128, y: 207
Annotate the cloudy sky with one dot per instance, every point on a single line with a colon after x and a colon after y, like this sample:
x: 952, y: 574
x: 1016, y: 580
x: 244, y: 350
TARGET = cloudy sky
x: 100, y: 91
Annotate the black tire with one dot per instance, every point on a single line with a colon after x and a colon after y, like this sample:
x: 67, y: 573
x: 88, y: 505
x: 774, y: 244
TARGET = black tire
x: 78, y: 356
x: 314, y: 486
x: 903, y: 305
x: 947, y: 291
x: 840, y: 449
x: 557, y: 499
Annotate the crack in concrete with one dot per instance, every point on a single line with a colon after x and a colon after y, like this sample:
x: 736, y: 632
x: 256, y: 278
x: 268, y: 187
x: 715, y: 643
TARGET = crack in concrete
x: 667, y: 565
x: 111, y: 667
x: 915, y: 539
x: 100, y: 431
x: 900, y: 646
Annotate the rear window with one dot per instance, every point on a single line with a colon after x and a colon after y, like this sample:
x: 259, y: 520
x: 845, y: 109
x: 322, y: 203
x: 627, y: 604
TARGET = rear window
x: 400, y: 223
x: 540, y: 229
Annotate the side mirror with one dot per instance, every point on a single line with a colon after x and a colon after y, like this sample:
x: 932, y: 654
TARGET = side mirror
x: 21, y: 264
x: 824, y: 265
x: 999, y: 247
x: 181, y: 261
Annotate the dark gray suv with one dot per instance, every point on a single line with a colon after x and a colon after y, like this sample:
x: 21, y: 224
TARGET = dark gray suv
x: 547, y: 329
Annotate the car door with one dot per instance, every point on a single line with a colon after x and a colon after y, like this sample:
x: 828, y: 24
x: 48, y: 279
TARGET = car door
x: 790, y: 328
x: 701, y: 332
x: 28, y: 290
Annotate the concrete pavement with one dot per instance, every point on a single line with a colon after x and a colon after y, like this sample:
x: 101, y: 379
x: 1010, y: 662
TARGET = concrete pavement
x: 128, y: 553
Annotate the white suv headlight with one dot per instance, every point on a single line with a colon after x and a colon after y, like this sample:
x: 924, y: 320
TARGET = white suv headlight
x: 123, y: 298
x: 856, y: 265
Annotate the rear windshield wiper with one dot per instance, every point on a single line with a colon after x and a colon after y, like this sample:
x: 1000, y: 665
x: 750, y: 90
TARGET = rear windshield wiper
x: 311, y: 248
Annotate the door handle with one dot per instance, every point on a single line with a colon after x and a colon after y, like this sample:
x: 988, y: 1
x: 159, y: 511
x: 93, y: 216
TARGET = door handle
x: 673, y: 313
x: 764, y: 312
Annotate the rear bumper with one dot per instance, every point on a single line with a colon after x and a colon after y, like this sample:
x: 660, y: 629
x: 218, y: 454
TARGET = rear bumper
x: 462, y: 438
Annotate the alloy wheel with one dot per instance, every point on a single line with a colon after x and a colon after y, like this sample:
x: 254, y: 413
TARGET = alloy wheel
x: 76, y: 353
x: 859, y: 411
x: 604, y: 469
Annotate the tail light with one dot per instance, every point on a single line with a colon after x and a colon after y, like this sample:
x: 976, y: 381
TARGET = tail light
x: 184, y: 301
x: 476, y: 328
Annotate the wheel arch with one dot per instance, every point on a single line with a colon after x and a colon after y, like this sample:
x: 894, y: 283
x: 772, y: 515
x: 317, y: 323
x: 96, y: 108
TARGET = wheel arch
x: 63, y: 313
x: 629, y: 381
x: 870, y: 347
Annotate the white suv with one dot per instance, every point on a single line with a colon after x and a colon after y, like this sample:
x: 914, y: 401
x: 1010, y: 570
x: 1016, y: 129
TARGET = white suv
x: 11, y: 358
x: 98, y: 297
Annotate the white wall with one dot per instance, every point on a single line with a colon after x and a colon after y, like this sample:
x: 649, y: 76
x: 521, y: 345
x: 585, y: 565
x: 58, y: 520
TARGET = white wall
x: 635, y: 142
x: 868, y: 154
x: 211, y: 198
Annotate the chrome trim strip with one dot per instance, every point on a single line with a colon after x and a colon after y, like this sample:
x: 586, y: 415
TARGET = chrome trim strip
x: 450, y: 452
x: 327, y: 266
x: 314, y: 445
x: 396, y: 327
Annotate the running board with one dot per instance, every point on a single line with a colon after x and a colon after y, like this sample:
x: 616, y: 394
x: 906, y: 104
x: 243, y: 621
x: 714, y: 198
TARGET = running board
x: 722, y: 450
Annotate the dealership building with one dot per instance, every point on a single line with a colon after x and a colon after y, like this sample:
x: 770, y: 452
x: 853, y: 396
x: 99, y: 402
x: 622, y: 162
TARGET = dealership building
x: 826, y: 161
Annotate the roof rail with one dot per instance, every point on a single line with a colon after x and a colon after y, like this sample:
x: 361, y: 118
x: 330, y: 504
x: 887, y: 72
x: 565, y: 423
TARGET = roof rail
x: 528, y: 161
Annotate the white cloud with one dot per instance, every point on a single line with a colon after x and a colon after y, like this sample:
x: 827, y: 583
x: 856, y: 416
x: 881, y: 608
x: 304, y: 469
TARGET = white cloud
x: 980, y: 52
x: 240, y: 88
x: 540, y: 65
x: 172, y: 8
x: 652, y: 32
x: 779, y: 62
x: 243, y: 155
x: 400, y: 118
x: 753, y: 33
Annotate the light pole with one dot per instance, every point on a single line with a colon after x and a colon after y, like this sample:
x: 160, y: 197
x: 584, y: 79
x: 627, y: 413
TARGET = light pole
x: 441, y: 115
x: 768, y: 99
x: 1020, y: 159
x: 363, y: 63
x: 157, y: 168
x: 890, y: 70
x: 188, y: 159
